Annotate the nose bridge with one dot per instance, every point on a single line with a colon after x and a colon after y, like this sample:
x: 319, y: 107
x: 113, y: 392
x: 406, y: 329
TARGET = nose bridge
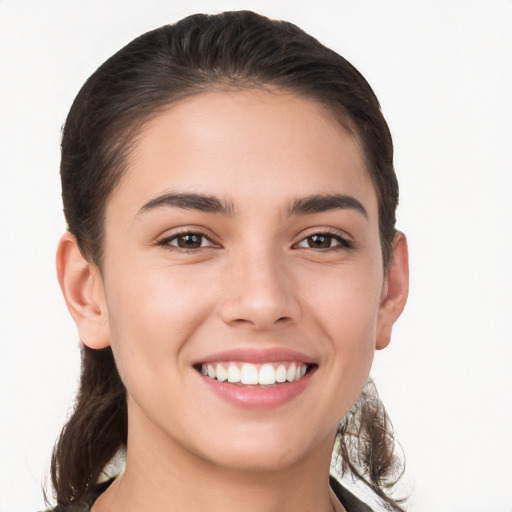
x: 261, y: 291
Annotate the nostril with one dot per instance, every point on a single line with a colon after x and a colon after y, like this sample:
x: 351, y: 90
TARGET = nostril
x: 241, y: 321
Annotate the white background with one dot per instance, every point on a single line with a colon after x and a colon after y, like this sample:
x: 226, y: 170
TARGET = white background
x: 443, y: 72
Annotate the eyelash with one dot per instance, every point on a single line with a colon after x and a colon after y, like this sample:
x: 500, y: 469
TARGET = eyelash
x: 343, y: 243
x: 166, y: 242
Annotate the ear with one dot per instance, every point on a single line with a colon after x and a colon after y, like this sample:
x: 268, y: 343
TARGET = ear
x: 395, y: 290
x: 82, y: 287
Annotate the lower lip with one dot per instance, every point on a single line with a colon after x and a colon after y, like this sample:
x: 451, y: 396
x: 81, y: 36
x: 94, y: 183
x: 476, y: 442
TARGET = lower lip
x: 252, y: 397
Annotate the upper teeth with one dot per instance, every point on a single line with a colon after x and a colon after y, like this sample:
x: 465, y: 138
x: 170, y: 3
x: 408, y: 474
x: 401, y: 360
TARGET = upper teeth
x: 247, y: 373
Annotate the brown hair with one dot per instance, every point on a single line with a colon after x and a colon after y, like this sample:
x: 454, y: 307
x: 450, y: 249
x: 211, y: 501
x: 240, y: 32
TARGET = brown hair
x: 201, y: 52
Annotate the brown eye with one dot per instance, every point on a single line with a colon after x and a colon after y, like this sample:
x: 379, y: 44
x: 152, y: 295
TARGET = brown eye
x: 319, y: 241
x: 324, y: 241
x: 188, y: 241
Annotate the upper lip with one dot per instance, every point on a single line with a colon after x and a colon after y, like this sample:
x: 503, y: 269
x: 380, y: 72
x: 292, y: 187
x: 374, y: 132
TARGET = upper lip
x: 258, y: 355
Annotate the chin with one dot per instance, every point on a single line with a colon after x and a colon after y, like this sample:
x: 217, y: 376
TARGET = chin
x: 266, y: 451
x: 256, y: 460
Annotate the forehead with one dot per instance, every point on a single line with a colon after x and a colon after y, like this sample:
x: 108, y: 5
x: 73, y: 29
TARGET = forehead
x: 237, y: 144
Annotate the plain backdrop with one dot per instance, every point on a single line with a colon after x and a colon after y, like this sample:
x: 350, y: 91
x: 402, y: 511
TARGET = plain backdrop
x: 443, y: 72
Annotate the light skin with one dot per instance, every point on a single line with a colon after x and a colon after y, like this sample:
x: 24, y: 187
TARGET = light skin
x: 218, y: 237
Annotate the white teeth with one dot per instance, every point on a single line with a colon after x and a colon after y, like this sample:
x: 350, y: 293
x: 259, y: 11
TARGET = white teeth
x: 267, y: 375
x: 290, y: 374
x: 233, y: 374
x: 249, y: 374
x: 281, y: 373
x: 221, y: 373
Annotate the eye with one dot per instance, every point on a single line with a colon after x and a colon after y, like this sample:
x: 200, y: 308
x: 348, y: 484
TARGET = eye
x: 324, y: 241
x: 188, y: 241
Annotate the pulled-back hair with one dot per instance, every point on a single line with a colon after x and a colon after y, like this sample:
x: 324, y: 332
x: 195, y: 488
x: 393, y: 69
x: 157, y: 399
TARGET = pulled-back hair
x: 232, y: 50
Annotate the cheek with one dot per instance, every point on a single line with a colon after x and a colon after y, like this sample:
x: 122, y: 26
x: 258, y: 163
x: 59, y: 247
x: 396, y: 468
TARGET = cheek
x: 347, y: 302
x: 345, y: 306
x: 152, y: 314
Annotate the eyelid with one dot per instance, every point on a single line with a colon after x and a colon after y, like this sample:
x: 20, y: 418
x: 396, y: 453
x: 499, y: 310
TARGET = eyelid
x: 345, y: 242
x: 165, y: 239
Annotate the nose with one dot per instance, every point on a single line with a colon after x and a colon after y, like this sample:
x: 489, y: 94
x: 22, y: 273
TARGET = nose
x: 261, y: 293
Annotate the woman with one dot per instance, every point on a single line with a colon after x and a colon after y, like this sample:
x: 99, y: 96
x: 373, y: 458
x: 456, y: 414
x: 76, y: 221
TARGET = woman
x: 231, y: 265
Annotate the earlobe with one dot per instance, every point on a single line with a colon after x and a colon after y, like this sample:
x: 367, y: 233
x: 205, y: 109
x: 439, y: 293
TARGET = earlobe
x: 395, y: 290
x: 83, y: 291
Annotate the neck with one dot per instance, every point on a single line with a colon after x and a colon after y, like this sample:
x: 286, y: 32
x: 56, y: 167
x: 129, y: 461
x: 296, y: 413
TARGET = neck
x: 165, y: 477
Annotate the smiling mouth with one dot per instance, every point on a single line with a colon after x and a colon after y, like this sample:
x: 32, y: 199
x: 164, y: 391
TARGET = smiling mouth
x: 248, y: 374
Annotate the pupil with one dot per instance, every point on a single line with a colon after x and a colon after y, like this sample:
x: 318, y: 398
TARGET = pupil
x: 320, y: 241
x: 189, y: 241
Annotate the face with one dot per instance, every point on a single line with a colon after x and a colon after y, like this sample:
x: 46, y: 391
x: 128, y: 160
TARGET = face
x: 243, y: 279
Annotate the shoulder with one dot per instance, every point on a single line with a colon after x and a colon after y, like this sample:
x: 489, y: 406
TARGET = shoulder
x: 82, y: 506
x: 347, y: 499
x: 86, y: 503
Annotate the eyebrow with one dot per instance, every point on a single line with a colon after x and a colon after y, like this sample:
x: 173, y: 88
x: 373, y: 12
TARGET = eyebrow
x: 322, y: 203
x: 211, y: 204
x: 190, y: 201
